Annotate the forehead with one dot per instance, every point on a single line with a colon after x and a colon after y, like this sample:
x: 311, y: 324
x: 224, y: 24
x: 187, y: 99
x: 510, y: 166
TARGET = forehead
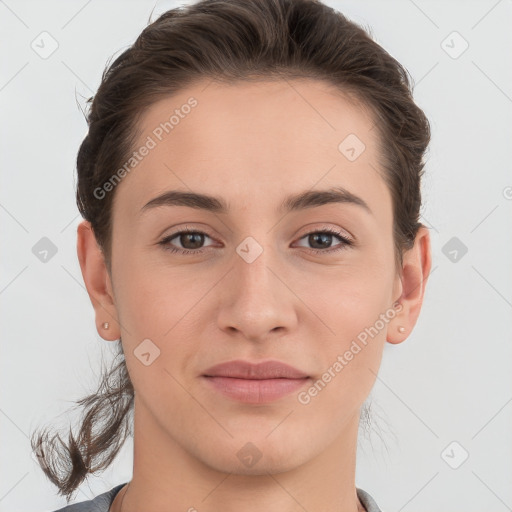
x: 253, y: 143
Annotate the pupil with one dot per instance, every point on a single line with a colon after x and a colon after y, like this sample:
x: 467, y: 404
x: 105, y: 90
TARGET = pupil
x: 324, y: 236
x: 192, y: 235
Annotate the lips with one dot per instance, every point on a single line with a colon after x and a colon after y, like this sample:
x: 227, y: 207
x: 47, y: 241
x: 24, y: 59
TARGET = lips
x: 245, y: 370
x: 253, y: 383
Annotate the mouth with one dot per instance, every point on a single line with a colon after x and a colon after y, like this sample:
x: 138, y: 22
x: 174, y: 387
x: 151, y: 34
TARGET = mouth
x: 255, y: 383
x: 255, y: 391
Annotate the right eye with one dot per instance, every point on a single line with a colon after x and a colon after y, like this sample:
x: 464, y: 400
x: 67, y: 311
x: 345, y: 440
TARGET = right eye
x: 186, y: 236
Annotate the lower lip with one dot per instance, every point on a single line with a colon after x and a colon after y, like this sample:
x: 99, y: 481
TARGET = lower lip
x: 254, y: 391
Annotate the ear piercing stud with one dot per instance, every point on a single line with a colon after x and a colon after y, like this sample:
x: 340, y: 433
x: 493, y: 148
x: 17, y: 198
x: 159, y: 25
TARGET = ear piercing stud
x: 105, y: 325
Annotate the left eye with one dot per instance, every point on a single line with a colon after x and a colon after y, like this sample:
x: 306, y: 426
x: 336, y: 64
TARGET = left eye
x: 196, y: 239
x: 324, y: 235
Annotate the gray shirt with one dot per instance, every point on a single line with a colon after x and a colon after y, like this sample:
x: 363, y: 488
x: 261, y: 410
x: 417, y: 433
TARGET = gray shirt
x: 103, y: 501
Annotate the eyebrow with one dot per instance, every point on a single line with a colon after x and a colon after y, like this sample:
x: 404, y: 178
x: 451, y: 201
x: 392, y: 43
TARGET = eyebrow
x: 301, y: 201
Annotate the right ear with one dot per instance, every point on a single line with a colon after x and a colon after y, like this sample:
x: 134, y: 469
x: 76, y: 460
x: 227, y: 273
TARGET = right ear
x: 97, y: 281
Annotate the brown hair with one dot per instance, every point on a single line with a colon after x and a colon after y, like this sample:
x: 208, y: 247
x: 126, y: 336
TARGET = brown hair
x: 227, y: 41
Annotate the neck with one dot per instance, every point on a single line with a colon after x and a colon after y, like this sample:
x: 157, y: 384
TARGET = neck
x: 168, y: 477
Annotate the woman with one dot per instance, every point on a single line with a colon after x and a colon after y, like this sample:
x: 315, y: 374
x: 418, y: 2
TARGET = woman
x: 250, y: 185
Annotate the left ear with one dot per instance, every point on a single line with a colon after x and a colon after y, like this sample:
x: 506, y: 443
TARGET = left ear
x: 415, y: 272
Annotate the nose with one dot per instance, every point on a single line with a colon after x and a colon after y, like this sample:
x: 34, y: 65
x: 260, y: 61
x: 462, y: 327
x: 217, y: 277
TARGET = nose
x: 257, y: 302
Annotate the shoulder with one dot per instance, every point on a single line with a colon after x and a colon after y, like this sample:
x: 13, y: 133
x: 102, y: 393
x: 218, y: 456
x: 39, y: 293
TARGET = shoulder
x: 101, y: 503
x: 368, y: 502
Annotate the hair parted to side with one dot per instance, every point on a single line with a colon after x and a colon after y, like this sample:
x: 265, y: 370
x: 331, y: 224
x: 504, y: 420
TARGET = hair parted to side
x: 227, y: 41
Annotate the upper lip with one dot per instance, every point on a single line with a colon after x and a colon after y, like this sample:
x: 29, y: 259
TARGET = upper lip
x: 246, y: 370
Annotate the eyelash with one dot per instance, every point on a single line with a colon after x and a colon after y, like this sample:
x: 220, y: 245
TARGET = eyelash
x: 165, y: 241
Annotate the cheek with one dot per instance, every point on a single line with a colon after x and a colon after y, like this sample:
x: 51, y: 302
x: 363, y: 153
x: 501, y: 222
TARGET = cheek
x: 348, y: 299
x: 352, y: 314
x: 147, y: 302
x: 351, y: 352
x: 159, y: 315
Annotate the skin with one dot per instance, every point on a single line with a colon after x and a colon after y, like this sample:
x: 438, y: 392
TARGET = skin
x: 253, y: 145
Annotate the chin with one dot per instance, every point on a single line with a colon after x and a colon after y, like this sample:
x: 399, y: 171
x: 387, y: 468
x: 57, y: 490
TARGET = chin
x: 258, y: 457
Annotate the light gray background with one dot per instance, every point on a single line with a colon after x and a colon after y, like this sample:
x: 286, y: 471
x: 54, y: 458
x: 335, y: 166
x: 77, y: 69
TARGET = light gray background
x: 450, y: 381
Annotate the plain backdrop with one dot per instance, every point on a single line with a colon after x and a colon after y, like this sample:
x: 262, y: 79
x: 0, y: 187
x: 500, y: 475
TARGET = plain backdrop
x: 442, y: 403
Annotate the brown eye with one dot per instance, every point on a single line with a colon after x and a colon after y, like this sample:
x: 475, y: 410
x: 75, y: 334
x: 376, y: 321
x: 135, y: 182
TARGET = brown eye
x: 321, y: 241
x: 191, y: 241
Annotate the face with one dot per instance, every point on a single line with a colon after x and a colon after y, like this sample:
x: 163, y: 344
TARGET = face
x: 269, y: 277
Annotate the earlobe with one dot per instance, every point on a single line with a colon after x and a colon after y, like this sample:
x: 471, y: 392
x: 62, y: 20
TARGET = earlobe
x: 97, y: 282
x: 416, y: 267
